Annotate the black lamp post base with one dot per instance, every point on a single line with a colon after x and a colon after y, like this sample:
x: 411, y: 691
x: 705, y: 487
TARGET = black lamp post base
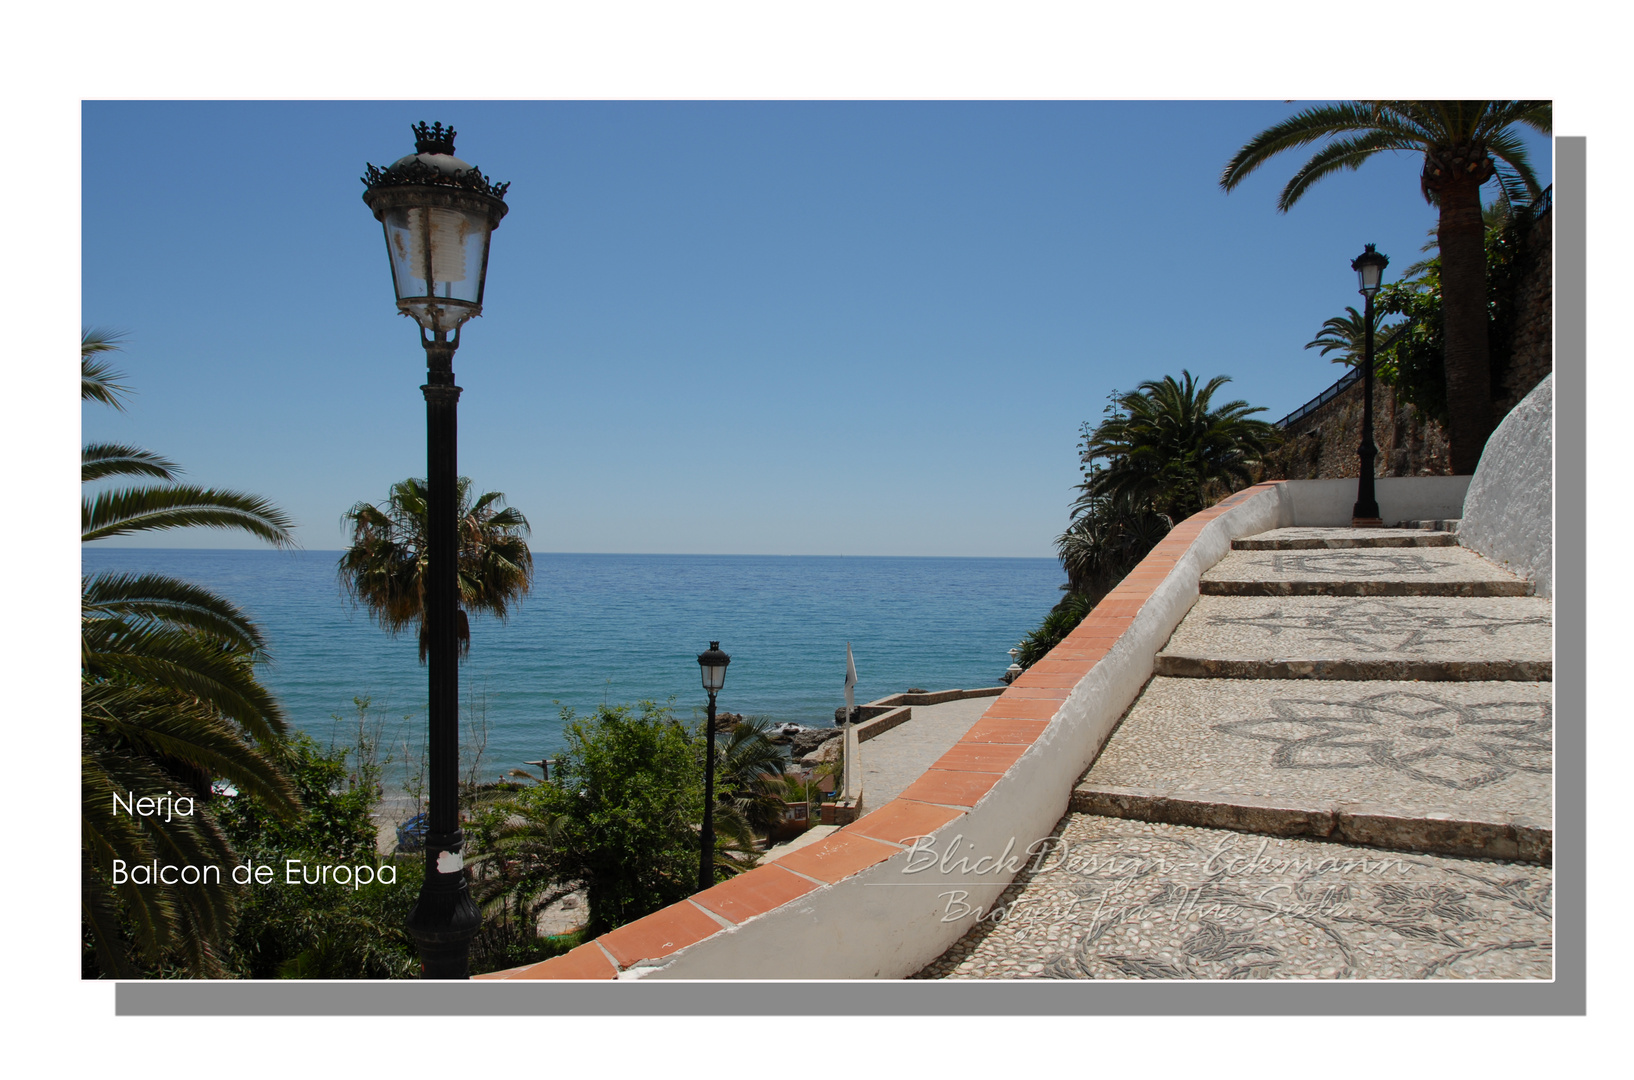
x: 444, y: 918
x: 1366, y: 523
x: 444, y: 942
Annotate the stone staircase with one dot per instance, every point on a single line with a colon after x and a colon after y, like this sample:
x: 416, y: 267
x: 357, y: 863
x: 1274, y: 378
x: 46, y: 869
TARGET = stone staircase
x: 1340, y: 768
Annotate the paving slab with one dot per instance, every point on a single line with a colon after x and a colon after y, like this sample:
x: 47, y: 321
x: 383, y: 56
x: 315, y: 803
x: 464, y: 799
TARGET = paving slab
x: 1447, y: 571
x: 896, y: 758
x: 1296, y: 539
x: 1363, y: 637
x: 1407, y: 758
x: 1116, y: 899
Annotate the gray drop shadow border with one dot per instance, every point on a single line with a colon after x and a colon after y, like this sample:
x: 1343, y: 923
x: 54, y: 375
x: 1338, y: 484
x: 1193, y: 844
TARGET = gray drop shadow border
x: 1566, y: 995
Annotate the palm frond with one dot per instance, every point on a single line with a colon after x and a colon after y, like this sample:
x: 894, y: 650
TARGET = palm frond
x: 98, y: 381
x: 101, y: 460
x: 1337, y: 155
x: 151, y: 509
x: 180, y: 604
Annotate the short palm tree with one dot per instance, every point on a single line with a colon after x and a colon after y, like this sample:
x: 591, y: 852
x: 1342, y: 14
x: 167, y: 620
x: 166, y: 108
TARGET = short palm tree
x: 1464, y: 144
x: 1347, y: 335
x: 169, y: 703
x: 385, y: 567
x: 1168, y: 448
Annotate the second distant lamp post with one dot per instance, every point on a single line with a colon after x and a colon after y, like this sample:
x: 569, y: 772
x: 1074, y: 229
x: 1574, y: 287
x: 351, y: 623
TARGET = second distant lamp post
x: 1369, y: 267
x: 438, y: 214
x: 712, y: 663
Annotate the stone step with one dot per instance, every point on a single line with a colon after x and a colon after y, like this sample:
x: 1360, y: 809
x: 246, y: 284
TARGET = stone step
x: 1451, y: 768
x: 1181, y: 666
x: 1448, y: 571
x: 1120, y: 899
x: 1438, y: 524
x: 1435, y: 639
x: 1350, y: 823
x: 1306, y: 539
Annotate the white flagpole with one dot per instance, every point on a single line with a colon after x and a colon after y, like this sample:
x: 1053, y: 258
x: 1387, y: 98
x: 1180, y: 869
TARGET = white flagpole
x: 850, y: 681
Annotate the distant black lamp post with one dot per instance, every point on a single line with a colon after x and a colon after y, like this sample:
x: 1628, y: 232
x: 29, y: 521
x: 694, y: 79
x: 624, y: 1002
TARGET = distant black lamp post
x: 438, y: 214
x: 1369, y: 267
x: 713, y: 665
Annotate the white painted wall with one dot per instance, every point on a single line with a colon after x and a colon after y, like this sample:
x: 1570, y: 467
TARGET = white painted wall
x: 1509, y: 512
x: 886, y: 923
x: 1401, y: 498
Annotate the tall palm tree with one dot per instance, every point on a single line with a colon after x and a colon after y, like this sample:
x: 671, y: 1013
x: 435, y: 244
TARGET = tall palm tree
x: 1168, y: 448
x: 385, y: 567
x: 169, y: 703
x: 1465, y: 144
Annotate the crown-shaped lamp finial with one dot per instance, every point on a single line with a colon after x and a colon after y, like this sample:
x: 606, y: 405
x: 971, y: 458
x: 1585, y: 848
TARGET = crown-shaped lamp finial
x: 433, y: 139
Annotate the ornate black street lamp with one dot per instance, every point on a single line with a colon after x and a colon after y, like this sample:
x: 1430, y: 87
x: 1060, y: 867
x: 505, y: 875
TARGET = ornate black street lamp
x: 713, y: 665
x: 1369, y: 267
x: 438, y: 213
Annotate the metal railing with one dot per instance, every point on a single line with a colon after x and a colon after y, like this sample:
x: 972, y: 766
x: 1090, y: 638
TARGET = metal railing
x: 1543, y: 204
x: 1323, y: 398
x: 1540, y: 206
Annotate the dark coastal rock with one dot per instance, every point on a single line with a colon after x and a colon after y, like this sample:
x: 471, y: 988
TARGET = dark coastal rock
x: 727, y: 721
x: 804, y: 742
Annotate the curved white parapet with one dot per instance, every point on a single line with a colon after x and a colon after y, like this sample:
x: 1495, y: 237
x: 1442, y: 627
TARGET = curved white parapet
x: 890, y: 892
x: 1509, y: 511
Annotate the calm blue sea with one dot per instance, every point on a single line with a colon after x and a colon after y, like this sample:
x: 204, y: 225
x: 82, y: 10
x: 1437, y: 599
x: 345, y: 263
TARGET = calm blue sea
x: 622, y: 628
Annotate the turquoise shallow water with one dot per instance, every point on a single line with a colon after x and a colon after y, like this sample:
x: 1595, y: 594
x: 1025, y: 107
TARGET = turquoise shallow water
x: 622, y: 628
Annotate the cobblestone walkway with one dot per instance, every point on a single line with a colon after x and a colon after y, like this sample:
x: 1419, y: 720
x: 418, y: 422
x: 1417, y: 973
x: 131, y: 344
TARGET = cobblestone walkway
x: 1282, y: 802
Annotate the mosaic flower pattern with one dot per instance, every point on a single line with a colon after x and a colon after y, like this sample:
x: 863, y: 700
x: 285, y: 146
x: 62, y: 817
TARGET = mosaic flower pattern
x: 1440, y: 742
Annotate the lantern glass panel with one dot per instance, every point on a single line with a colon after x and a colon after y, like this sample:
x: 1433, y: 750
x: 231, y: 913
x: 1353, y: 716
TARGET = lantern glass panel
x: 438, y: 256
x: 714, y: 677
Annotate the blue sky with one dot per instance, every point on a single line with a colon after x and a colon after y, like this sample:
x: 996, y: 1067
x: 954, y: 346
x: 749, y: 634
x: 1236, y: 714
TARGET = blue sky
x: 863, y: 328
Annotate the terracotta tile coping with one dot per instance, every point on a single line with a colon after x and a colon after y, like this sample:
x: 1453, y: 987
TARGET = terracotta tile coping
x: 946, y: 791
x: 754, y: 893
x: 836, y: 856
x: 659, y: 934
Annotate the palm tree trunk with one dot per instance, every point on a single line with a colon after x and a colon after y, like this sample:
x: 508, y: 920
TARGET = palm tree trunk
x: 1462, y: 236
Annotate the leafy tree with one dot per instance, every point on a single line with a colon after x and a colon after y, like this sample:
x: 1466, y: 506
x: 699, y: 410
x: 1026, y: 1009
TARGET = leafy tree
x: 1464, y: 144
x: 169, y: 702
x: 325, y: 930
x: 385, y: 567
x: 618, y: 817
x: 1412, y: 359
x: 1168, y: 448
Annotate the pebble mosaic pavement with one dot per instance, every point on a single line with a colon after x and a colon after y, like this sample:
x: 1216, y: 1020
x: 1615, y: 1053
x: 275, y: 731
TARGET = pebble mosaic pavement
x: 1116, y: 898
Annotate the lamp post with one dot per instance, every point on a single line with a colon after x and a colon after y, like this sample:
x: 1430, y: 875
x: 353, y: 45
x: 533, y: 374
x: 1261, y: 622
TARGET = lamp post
x: 438, y: 214
x: 1369, y: 267
x: 712, y: 663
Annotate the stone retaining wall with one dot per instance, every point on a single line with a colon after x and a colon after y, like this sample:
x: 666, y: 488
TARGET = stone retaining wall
x: 1323, y: 443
